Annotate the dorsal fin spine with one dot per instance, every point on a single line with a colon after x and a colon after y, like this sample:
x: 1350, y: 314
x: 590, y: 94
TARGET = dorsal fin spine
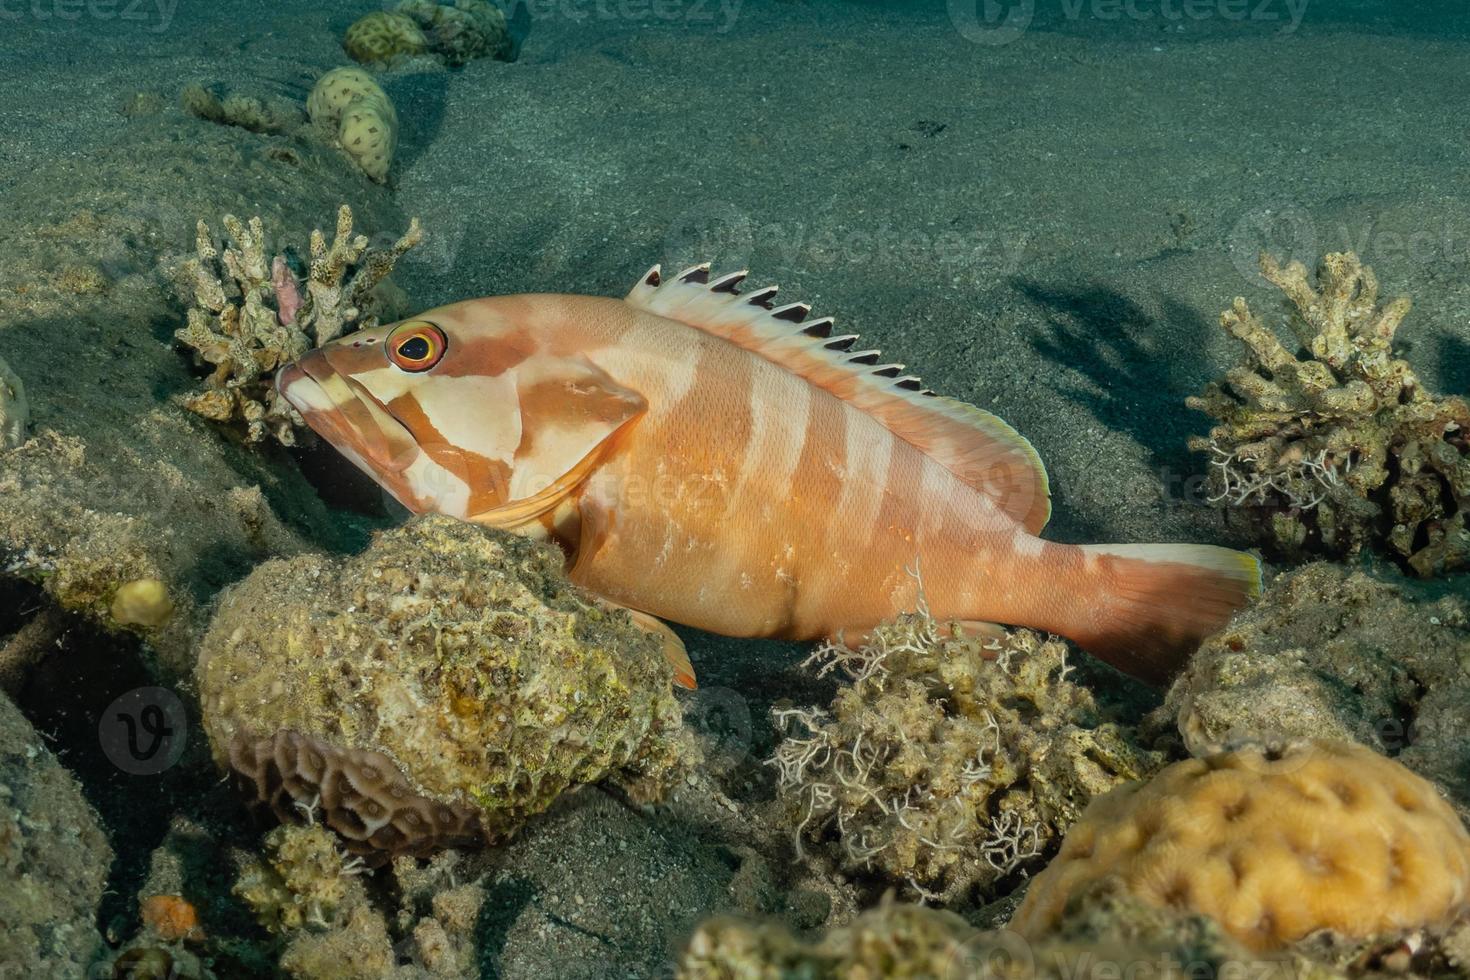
x: 974, y: 445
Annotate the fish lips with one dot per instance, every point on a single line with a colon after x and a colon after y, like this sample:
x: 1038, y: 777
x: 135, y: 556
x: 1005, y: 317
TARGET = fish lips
x: 345, y: 414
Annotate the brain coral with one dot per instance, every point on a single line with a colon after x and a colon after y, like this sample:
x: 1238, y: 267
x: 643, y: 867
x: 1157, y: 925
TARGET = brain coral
x: 437, y: 689
x: 1274, y: 844
x: 384, y: 37
x: 349, y: 105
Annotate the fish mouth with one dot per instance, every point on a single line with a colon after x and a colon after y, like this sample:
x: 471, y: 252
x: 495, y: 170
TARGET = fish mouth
x: 344, y: 413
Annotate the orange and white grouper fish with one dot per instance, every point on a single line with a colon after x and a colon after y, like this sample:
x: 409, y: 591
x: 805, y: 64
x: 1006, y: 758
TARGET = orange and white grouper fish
x: 708, y: 456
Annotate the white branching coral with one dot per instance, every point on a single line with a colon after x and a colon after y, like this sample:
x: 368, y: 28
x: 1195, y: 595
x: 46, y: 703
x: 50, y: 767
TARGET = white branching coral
x: 250, y: 315
x: 948, y: 762
x: 1339, y: 447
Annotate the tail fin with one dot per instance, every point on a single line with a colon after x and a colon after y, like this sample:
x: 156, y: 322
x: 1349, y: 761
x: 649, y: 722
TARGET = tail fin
x: 1157, y: 602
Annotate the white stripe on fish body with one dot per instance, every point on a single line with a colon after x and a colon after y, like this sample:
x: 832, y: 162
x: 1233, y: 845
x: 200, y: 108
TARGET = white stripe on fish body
x: 478, y: 413
x: 443, y: 490
x: 780, y: 424
x: 869, y: 454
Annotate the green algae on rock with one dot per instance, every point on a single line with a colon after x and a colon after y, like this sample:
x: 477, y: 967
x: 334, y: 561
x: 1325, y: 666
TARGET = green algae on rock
x: 249, y: 315
x: 1342, y: 449
x: 947, y: 764
x: 436, y: 690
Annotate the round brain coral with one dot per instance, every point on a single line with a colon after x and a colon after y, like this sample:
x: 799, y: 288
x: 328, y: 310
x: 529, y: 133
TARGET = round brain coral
x: 1274, y: 844
x: 384, y: 37
x: 437, y: 689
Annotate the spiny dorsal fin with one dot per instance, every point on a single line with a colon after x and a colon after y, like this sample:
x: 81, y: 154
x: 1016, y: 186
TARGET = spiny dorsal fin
x: 974, y: 445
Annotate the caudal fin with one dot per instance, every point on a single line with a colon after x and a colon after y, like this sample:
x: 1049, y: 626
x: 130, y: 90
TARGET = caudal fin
x: 1157, y: 602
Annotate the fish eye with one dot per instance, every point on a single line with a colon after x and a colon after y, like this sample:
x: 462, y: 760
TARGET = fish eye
x: 416, y: 345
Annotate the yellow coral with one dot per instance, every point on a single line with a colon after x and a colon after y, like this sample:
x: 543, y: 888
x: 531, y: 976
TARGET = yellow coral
x: 383, y: 38
x: 142, y: 602
x: 1274, y: 844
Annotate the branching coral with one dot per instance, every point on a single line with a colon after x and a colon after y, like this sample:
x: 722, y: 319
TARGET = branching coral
x: 249, y: 315
x: 303, y: 880
x: 309, y: 891
x: 946, y: 764
x: 1342, y: 448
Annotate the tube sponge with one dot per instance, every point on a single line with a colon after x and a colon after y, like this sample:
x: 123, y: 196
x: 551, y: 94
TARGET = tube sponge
x: 1274, y: 844
x: 347, y: 102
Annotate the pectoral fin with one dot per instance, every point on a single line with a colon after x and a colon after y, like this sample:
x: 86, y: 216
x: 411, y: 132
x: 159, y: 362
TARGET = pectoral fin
x: 674, y: 651
x: 568, y: 412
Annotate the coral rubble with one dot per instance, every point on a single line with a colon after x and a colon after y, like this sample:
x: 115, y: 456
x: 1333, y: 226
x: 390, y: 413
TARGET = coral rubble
x: 437, y: 689
x: 249, y: 315
x: 945, y: 764
x: 1343, y: 448
x: 1333, y: 652
x: 15, y: 411
x: 347, y: 105
x: 309, y: 892
x: 276, y: 116
x: 54, y: 859
x: 1274, y: 843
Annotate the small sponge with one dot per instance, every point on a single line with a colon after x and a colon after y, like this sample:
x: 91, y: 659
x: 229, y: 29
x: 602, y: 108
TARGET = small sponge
x: 1274, y: 844
x: 348, y: 101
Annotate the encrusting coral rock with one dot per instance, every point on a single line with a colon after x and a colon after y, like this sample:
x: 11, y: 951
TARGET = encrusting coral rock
x: 249, y: 316
x: 462, y: 31
x: 437, y: 689
x: 348, y: 104
x: 54, y: 859
x: 1111, y: 936
x: 1344, y: 448
x: 15, y: 411
x: 1338, y: 653
x: 1275, y: 844
x: 946, y: 764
